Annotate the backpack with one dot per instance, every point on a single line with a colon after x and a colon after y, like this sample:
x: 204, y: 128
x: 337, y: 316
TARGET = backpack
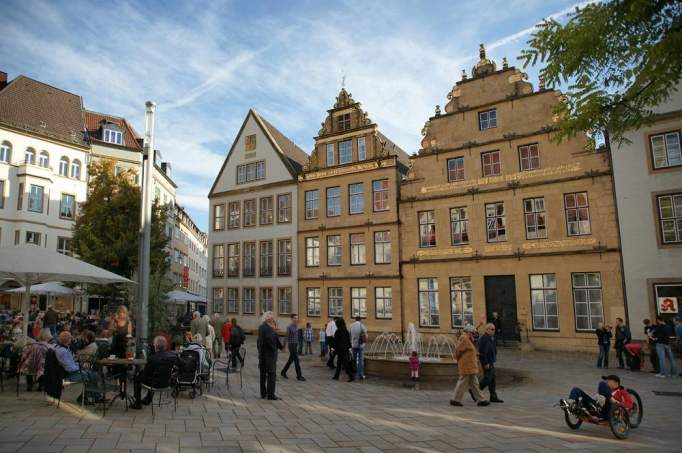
x: 236, y: 336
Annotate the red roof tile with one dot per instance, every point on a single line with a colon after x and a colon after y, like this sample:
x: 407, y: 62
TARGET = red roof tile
x: 95, y: 120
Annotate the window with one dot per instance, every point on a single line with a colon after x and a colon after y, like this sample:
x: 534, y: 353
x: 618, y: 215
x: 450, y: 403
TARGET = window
x: 534, y: 210
x: 331, y: 155
x: 67, y: 207
x: 17, y: 237
x: 456, y: 169
x: 495, y: 223
x: 333, y: 201
x: 357, y: 249
x: 459, y: 226
x: 487, y: 119
x: 461, y: 302
x: 218, y: 217
x: 313, y: 301
x: 232, y: 300
x: 249, y: 259
x: 218, y: 260
x: 358, y: 302
x: 5, y: 152
x: 30, y: 156
x: 253, y: 171
x: 113, y: 136
x: 64, y: 246
x: 284, y: 208
x: 284, y: 258
x: 666, y: 291
x: 218, y: 300
x: 346, y: 152
x: 44, y: 159
x: 335, y: 302
x: 577, y: 213
x: 234, y: 220
x: 491, y: 163
x: 64, y: 166
x: 266, y: 258
x: 334, y: 250
x: 429, y: 312
x: 356, y: 198
x: 76, y: 169
x: 543, y: 301
x: 312, y: 252
x: 266, y: 211
x: 529, y: 157
x: 362, y: 149
x: 35, y: 199
x: 380, y: 192
x: 266, y: 302
x: 249, y: 300
x: 250, y: 142
x: 2, y: 194
x: 233, y: 259
x: 383, y: 302
x: 587, y: 300
x: 33, y: 238
x: 665, y: 149
x: 382, y: 247
x: 343, y: 122
x: 312, y: 204
x: 20, y: 196
x: 250, y: 213
x: 284, y: 300
x: 669, y: 217
x: 427, y: 229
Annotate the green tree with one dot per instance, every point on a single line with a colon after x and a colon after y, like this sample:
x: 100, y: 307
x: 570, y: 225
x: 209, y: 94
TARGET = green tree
x: 620, y: 58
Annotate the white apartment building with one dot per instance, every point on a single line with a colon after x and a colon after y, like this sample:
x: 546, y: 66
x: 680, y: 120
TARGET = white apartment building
x: 252, y: 231
x: 189, y: 258
x: 648, y: 182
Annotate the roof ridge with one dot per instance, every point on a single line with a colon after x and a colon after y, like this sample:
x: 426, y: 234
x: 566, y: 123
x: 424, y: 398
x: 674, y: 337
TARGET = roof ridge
x: 22, y: 76
x: 293, y: 147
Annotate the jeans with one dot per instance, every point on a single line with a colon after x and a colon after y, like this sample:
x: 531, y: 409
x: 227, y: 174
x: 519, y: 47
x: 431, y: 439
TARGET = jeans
x: 620, y: 351
x: 359, y: 360
x: 665, y: 352
x: 53, y: 329
x: 586, y: 400
x: 293, y: 358
x: 489, y: 381
x: 308, y: 347
x: 86, y: 376
x: 603, y: 359
x: 323, y: 348
x: 343, y: 361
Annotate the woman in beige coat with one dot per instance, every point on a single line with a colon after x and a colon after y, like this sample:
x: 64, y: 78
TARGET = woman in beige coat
x: 467, y: 365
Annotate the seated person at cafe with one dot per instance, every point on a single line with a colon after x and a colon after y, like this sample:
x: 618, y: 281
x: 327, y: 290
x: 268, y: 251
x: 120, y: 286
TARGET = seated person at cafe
x: 67, y: 361
x: 87, y: 349
x: 156, y: 372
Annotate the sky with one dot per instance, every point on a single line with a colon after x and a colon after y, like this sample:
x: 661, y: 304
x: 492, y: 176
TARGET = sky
x: 205, y: 63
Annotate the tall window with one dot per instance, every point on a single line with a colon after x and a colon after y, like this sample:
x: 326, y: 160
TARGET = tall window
x: 534, y: 210
x: 5, y: 151
x: 587, y: 300
x: 284, y: 208
x: 249, y: 300
x: 380, y: 194
x: 461, y: 302
x: 456, y: 169
x: 253, y: 171
x: 429, y: 311
x: 64, y: 246
x: 529, y: 157
x: 459, y: 226
x: 20, y: 196
x: 427, y: 229
x: 67, y: 207
x: 577, y: 213
x: 234, y: 219
x: 218, y: 260
x: 113, y: 136
x: 312, y: 204
x: 249, y: 259
x: 331, y: 155
x: 250, y: 213
x: 665, y: 150
x: 346, y: 152
x: 490, y: 163
x: 382, y: 247
x: 232, y: 300
x: 64, y: 166
x: 495, y: 223
x: 33, y: 238
x: 30, y: 156
x: 218, y: 217
x: 334, y: 250
x: 250, y: 142
x: 76, y: 169
x: 218, y: 300
x: 333, y: 201
x: 357, y: 249
x: 313, y: 301
x: 335, y: 299
x: 669, y: 217
x: 362, y: 149
x: 356, y: 198
x: 266, y: 302
x: 358, y: 302
x: 44, y: 159
x: 312, y: 251
x: 383, y: 302
x: 284, y: 257
x: 35, y: 198
x: 543, y: 300
x: 487, y: 119
x: 266, y: 211
x: 233, y: 259
x: 2, y: 194
x: 284, y: 300
x: 343, y: 122
x: 266, y: 258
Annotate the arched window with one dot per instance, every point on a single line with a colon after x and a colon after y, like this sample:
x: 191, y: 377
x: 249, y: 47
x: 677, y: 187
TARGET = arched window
x: 44, y: 159
x: 76, y: 169
x: 64, y: 166
x: 30, y: 156
x: 5, y: 151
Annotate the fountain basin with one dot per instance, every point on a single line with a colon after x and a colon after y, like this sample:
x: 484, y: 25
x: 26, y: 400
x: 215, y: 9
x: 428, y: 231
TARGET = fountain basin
x: 443, y: 370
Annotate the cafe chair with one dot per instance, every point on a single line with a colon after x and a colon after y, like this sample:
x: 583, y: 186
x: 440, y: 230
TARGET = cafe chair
x: 163, y: 383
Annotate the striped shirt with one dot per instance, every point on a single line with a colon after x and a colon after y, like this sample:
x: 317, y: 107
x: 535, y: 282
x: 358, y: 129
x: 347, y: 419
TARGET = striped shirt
x: 292, y: 334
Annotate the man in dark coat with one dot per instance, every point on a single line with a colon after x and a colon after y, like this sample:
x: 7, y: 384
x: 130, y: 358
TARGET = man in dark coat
x: 487, y: 354
x: 268, y: 346
x: 156, y: 372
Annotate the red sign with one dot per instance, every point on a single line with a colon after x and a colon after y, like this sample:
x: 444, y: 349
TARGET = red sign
x: 185, y: 277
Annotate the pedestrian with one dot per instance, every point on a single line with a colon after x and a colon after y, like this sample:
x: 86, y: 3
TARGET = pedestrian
x: 662, y: 334
x: 358, y: 339
x: 309, y: 336
x: 487, y: 354
x: 292, y: 345
x: 268, y: 345
x: 323, y: 343
x: 623, y: 337
x: 50, y: 320
x: 329, y: 335
x: 467, y: 367
x: 300, y: 336
x: 678, y: 333
x: 237, y: 338
x: 342, y: 346
x: 208, y: 340
x: 227, y: 330
x: 414, y: 366
x: 199, y: 325
x: 218, y: 324
x: 653, y: 355
x: 499, y: 335
x: 604, y: 342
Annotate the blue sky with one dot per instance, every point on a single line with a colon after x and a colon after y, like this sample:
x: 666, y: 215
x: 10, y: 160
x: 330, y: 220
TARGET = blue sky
x: 206, y: 63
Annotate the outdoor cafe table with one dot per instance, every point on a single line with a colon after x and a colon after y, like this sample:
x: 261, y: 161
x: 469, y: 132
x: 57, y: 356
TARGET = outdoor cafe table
x: 127, y: 363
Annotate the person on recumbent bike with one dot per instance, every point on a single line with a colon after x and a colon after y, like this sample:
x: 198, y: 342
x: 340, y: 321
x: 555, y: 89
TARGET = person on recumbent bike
x: 609, y: 392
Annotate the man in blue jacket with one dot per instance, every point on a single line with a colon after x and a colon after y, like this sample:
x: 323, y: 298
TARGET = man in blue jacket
x: 487, y: 354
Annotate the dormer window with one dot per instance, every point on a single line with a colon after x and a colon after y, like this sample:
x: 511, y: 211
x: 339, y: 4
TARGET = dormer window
x: 487, y: 119
x: 111, y: 133
x: 343, y: 122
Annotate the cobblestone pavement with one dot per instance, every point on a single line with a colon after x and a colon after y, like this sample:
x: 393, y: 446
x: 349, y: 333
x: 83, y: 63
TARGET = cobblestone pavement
x: 322, y: 415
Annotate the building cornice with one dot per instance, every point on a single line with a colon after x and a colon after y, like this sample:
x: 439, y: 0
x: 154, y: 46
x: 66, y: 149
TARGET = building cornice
x: 518, y: 255
x: 234, y: 192
x: 367, y: 224
x: 32, y: 134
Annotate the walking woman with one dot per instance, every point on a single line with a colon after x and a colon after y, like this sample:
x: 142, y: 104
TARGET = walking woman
x: 604, y: 340
x: 342, y: 346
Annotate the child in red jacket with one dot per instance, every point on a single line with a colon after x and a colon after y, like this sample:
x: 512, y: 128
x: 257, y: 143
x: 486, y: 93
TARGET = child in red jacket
x: 414, y: 366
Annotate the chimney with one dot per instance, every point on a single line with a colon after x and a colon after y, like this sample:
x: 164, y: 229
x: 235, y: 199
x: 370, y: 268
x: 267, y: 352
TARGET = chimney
x: 3, y: 80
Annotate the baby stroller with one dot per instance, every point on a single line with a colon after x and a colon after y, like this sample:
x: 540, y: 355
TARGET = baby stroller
x: 192, y: 371
x: 633, y: 356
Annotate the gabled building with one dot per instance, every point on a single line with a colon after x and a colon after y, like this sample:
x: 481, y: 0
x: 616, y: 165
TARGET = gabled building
x: 253, y: 224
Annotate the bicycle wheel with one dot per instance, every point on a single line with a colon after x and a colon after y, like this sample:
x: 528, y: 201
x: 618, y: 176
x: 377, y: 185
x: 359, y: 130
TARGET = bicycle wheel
x: 572, y: 420
x: 637, y: 412
x: 619, y: 422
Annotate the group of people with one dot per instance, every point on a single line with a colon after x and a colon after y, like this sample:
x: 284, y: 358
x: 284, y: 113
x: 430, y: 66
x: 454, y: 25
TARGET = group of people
x: 218, y: 335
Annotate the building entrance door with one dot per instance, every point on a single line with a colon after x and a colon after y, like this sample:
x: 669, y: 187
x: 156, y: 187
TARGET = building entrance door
x: 500, y: 297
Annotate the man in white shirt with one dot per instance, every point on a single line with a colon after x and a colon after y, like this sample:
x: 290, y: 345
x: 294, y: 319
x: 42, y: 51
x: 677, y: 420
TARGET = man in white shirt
x: 358, y: 338
x: 330, y: 331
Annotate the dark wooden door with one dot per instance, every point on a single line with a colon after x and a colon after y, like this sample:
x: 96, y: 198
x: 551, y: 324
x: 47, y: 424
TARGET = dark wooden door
x: 500, y: 297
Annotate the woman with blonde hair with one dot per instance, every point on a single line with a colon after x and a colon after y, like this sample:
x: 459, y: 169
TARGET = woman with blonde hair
x: 121, y: 328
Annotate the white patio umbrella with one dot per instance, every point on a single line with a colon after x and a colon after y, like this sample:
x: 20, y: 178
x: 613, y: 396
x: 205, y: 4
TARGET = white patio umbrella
x: 30, y: 265
x: 184, y: 296
x: 49, y: 288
